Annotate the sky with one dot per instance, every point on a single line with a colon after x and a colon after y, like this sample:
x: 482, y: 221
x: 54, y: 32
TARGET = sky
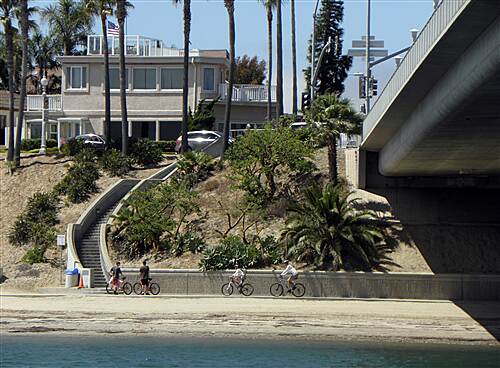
x: 391, y: 22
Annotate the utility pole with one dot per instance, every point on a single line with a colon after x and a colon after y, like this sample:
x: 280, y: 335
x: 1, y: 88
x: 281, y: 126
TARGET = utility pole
x: 313, y: 51
x: 368, y: 72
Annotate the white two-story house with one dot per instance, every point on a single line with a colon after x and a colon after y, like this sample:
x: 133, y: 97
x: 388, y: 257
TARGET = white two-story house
x: 154, y: 92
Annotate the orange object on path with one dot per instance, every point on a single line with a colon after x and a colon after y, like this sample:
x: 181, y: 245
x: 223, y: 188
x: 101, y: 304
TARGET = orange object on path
x: 80, y: 284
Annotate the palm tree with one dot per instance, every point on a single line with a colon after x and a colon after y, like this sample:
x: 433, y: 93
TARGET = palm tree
x: 69, y: 23
x: 335, y: 116
x: 294, y: 60
x: 122, y: 7
x: 326, y: 230
x: 229, y: 4
x: 43, y: 53
x: 279, y: 61
x: 270, y: 5
x: 185, y: 86
x: 7, y: 8
x: 103, y: 8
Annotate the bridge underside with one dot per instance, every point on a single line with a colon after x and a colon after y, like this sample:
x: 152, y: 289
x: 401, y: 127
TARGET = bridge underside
x: 446, y: 120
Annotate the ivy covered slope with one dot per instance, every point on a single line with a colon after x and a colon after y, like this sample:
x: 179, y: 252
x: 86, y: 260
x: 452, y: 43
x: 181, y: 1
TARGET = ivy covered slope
x: 41, y: 198
x: 270, y: 201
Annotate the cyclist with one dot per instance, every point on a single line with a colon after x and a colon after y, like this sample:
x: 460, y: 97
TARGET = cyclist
x: 238, y: 276
x: 144, y: 277
x: 294, y: 275
x: 115, y: 273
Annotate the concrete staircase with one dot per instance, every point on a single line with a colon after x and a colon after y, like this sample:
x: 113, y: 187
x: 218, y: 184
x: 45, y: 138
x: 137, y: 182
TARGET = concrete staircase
x: 88, y: 247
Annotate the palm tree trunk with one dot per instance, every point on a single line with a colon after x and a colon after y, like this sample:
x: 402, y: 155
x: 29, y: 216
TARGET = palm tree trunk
x: 10, y: 67
x: 332, y: 160
x: 185, y: 87
x: 107, y: 97
x: 294, y: 61
x: 123, y: 77
x: 24, y: 75
x: 227, y: 118
x: 279, y: 64
x: 269, y: 61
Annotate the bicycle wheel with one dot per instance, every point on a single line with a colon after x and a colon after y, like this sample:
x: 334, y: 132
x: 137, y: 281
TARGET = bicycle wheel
x: 247, y: 289
x: 299, y: 290
x: 127, y: 288
x: 138, y: 288
x: 154, y: 288
x: 227, y: 289
x: 276, y: 289
x: 109, y: 290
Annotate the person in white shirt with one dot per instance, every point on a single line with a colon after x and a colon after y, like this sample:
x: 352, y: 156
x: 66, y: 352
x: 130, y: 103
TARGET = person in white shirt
x: 294, y: 275
x: 238, y: 276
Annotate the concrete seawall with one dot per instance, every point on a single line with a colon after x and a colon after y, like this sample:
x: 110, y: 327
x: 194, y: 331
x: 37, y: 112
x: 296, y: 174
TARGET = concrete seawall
x: 338, y: 284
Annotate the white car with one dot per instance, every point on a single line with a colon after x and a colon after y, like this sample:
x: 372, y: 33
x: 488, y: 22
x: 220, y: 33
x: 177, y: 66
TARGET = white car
x: 199, y: 139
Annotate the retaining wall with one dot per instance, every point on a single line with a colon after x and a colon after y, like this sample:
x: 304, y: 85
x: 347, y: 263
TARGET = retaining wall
x: 338, y: 284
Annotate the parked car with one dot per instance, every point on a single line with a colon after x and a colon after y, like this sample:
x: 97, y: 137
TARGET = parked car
x: 92, y: 140
x: 298, y: 125
x: 198, y: 140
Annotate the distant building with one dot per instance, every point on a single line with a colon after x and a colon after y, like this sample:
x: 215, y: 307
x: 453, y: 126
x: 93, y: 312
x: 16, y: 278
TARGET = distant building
x: 154, y: 94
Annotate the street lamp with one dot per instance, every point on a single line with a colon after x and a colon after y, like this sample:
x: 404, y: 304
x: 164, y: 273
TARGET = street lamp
x: 43, y: 144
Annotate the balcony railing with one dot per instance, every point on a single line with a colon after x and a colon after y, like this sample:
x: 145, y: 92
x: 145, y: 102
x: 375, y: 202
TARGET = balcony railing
x: 35, y: 103
x: 248, y: 92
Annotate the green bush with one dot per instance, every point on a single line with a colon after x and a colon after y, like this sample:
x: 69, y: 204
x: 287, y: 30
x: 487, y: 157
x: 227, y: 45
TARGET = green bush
x: 114, y: 163
x: 146, y: 152
x: 194, y: 166
x: 166, y: 146
x: 34, y: 255
x: 35, y: 143
x: 72, y: 147
x: 230, y: 251
x: 79, y: 182
x: 187, y: 242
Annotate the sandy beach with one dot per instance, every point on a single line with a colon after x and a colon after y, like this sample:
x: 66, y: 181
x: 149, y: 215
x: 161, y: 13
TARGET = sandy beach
x: 258, y: 318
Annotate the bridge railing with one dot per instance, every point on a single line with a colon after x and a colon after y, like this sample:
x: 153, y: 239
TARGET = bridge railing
x: 437, y: 24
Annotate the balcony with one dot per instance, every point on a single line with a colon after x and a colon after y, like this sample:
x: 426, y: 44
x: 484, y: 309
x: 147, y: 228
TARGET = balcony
x: 35, y: 103
x: 248, y: 92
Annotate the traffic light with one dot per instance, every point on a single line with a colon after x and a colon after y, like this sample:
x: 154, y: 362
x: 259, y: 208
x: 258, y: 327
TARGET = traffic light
x: 362, y: 108
x: 362, y: 87
x: 373, y: 86
x: 306, y: 101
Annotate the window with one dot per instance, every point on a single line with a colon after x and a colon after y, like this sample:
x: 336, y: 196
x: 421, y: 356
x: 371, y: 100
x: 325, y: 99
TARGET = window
x: 53, y: 131
x: 172, y: 78
x: 76, y: 77
x: 144, y: 78
x: 209, y: 79
x: 114, y: 78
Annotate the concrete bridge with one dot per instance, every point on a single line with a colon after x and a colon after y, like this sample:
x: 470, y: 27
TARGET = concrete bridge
x: 439, y: 115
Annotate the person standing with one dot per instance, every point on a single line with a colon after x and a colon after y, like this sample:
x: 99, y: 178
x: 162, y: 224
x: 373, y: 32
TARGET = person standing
x: 116, y: 273
x: 144, y: 277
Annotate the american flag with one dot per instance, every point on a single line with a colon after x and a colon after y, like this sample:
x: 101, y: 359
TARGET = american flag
x: 113, y: 29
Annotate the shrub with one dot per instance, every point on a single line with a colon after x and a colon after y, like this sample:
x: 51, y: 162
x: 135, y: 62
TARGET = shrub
x: 166, y: 146
x: 72, y: 147
x: 114, y: 163
x: 146, y: 152
x: 34, y: 255
x: 193, y: 167
x: 79, y: 182
x: 35, y: 143
x: 230, y: 251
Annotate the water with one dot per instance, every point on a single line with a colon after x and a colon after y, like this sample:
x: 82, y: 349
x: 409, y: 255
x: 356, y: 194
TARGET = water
x: 140, y: 351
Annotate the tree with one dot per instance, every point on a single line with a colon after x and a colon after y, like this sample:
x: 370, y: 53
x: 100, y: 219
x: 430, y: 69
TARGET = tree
x: 69, y: 23
x: 270, y: 5
x: 103, y: 8
x: 204, y: 115
x: 279, y: 61
x: 43, y: 52
x: 229, y: 4
x: 326, y: 230
x: 7, y: 8
x: 294, y: 60
x: 122, y: 7
x: 185, y: 85
x: 249, y: 70
x: 335, y: 116
x: 334, y: 67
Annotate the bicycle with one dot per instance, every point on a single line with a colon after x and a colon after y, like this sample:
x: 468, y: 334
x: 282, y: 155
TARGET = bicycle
x: 124, y: 286
x: 278, y: 288
x: 153, y: 287
x: 244, y: 288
